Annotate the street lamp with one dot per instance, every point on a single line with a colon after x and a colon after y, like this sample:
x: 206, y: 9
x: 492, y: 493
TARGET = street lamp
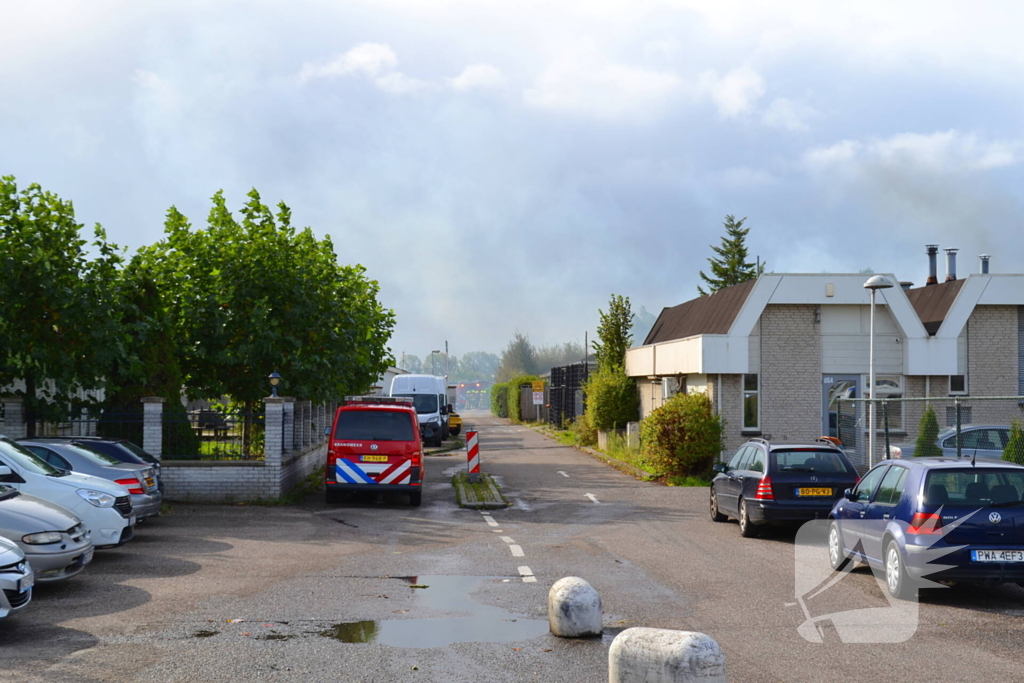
x: 874, y: 283
x: 432, y: 353
x: 275, y: 379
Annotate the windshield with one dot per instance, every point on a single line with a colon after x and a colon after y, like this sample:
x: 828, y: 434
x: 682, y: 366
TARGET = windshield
x: 137, y: 452
x: 374, y: 425
x: 26, y: 460
x: 90, y: 455
x: 974, y: 487
x: 423, y: 403
x: 809, y: 460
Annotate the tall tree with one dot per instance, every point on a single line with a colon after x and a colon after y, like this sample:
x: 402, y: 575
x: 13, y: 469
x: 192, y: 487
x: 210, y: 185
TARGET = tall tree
x: 613, y: 333
x: 557, y: 355
x: 731, y: 266
x: 517, y: 359
x: 475, y: 366
x: 59, y: 311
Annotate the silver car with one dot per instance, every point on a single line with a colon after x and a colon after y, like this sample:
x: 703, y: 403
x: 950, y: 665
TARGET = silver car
x: 55, y: 541
x: 16, y: 579
x: 983, y: 441
x: 139, y: 480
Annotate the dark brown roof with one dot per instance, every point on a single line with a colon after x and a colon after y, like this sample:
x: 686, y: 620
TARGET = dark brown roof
x: 932, y: 302
x: 711, y: 314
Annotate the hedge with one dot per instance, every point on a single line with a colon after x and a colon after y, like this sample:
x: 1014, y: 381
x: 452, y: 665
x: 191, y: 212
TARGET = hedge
x: 513, y: 394
x: 683, y: 437
x: 612, y: 399
x: 499, y: 400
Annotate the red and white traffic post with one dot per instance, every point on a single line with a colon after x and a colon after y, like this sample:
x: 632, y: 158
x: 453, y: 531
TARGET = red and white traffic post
x: 472, y: 457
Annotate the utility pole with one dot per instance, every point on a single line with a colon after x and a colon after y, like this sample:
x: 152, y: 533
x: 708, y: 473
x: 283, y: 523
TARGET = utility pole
x: 446, y: 366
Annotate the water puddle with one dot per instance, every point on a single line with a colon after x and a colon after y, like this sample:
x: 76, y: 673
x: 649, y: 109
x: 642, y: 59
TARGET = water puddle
x: 485, y: 624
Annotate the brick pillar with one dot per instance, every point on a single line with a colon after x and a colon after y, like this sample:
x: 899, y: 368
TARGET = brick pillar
x: 288, y: 430
x: 273, y: 440
x: 14, y: 418
x: 153, y: 426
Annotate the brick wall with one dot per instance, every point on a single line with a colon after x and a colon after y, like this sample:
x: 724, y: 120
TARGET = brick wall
x: 731, y: 411
x: 790, y: 373
x: 992, y: 363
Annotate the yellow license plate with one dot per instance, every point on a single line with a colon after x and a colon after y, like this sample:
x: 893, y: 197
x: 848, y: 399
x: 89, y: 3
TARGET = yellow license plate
x: 374, y: 458
x: 814, y: 492
x: 149, y: 482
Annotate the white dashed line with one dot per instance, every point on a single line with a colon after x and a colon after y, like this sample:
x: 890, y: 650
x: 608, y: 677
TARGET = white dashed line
x: 507, y: 539
x: 516, y: 551
x: 490, y: 520
x: 563, y: 474
x: 527, y: 575
x: 592, y: 497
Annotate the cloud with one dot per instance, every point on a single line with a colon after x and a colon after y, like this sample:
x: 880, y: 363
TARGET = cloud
x: 366, y: 59
x: 788, y: 114
x: 735, y: 93
x: 943, y: 152
x: 397, y: 83
x: 478, y: 77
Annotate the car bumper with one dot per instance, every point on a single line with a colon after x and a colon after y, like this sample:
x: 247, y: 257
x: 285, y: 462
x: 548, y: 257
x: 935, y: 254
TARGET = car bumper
x: 375, y: 488
x: 769, y: 513
x: 114, y: 534
x: 11, y: 600
x: 147, y: 505
x: 958, y: 566
x: 59, y: 565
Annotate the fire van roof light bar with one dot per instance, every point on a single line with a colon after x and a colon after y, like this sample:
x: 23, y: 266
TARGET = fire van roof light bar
x: 378, y: 400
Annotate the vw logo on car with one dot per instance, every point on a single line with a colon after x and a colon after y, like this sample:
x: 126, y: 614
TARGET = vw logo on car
x: 373, y: 446
x: 995, y: 517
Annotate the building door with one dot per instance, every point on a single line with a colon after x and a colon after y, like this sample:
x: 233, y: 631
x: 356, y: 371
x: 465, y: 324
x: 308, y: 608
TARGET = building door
x: 834, y: 387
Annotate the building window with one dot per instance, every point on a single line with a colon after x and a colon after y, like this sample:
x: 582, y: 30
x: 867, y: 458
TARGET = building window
x: 751, y: 403
x: 965, y: 415
x: 957, y: 385
x: 890, y: 387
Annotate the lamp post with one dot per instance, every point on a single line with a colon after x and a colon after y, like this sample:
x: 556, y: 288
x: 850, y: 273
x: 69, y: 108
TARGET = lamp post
x: 874, y: 283
x: 275, y: 379
x: 433, y: 354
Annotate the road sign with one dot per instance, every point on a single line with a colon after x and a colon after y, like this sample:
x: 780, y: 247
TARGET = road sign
x: 538, y: 398
x: 472, y: 456
x: 538, y: 386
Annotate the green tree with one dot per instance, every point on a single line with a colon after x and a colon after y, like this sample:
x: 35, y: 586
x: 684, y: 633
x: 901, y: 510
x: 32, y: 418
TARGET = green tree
x: 517, y: 359
x: 613, y: 334
x: 1014, y: 451
x: 556, y: 355
x: 250, y: 296
x: 928, y: 435
x: 411, y: 362
x: 612, y: 399
x: 683, y: 437
x: 59, y: 312
x: 475, y: 366
x: 731, y: 266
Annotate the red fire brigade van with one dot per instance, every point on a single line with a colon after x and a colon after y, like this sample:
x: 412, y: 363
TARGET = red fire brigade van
x: 374, y: 445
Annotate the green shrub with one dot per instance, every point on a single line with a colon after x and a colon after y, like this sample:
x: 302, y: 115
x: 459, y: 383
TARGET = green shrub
x: 612, y: 399
x: 514, y: 385
x: 1014, y: 451
x: 929, y: 434
x: 584, y: 434
x: 683, y: 437
x: 499, y: 400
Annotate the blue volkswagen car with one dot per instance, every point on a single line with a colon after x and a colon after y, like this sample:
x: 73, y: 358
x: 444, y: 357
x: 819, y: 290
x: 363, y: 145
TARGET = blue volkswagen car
x: 933, y: 519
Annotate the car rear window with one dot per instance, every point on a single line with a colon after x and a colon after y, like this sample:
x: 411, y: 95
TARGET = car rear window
x: 374, y: 425
x: 973, y: 487
x: 807, y: 460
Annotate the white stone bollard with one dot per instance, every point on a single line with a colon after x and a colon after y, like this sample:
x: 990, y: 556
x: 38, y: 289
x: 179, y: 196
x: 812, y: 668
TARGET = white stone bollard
x: 574, y: 609
x: 656, y: 655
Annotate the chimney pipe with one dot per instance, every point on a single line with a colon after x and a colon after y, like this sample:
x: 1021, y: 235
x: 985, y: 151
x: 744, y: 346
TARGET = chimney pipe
x: 933, y: 266
x: 984, y: 263
x: 951, y: 264
x: 906, y: 284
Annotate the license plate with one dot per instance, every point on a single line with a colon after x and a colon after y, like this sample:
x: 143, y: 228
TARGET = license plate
x: 87, y: 557
x: 150, y: 482
x: 374, y: 458
x: 26, y: 582
x: 997, y: 555
x: 131, y: 521
x: 814, y: 492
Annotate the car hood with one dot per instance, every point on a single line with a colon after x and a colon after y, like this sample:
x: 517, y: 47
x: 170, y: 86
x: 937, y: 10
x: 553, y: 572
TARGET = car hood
x: 26, y: 514
x: 9, y: 553
x: 87, y: 481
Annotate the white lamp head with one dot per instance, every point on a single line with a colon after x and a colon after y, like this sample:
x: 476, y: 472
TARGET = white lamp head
x: 878, y: 282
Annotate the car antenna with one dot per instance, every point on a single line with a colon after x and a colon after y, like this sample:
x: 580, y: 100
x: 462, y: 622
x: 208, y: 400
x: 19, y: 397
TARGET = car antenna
x: 974, y: 457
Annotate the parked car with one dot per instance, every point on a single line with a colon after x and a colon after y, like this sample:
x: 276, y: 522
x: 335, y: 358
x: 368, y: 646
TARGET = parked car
x: 103, y: 506
x: 903, y: 508
x: 983, y: 441
x: 429, y: 394
x: 139, y: 480
x: 54, y: 541
x: 767, y: 483
x: 121, y: 449
x: 16, y: 579
x: 374, y: 445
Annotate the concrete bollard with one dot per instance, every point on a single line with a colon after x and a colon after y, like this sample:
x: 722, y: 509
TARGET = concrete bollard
x: 574, y: 609
x: 656, y: 655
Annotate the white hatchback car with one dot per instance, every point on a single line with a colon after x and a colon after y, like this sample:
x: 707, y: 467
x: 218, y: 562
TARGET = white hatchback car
x: 16, y: 579
x: 103, y: 506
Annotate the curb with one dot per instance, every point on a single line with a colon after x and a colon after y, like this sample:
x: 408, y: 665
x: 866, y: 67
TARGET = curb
x: 466, y: 498
x: 445, y: 450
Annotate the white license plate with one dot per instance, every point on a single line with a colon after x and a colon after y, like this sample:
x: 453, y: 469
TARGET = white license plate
x: 997, y: 555
x: 87, y: 557
x: 26, y: 582
x: 131, y: 521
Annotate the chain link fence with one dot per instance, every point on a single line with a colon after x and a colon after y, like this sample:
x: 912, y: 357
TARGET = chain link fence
x: 957, y: 426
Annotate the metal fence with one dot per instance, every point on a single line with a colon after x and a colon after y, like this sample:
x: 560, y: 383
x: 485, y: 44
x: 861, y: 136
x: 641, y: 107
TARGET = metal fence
x: 213, y: 435
x: 956, y: 426
x: 565, y: 392
x: 112, y: 424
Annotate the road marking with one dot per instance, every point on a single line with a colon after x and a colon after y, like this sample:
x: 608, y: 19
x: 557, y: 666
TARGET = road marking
x: 507, y: 539
x: 527, y: 575
x: 563, y: 474
x: 490, y: 520
x: 516, y: 551
x: 592, y: 497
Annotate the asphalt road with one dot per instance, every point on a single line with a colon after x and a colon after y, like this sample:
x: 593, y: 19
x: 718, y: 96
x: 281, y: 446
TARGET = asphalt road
x: 264, y: 593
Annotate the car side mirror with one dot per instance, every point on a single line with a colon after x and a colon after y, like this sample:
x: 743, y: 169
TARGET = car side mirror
x: 5, y: 471
x: 327, y: 431
x: 720, y: 467
x: 848, y: 494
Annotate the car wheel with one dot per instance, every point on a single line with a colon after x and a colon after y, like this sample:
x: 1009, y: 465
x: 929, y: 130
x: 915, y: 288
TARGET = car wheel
x: 455, y: 432
x: 747, y: 528
x: 416, y: 498
x: 716, y: 516
x: 896, y: 579
x: 333, y: 497
x: 836, y: 557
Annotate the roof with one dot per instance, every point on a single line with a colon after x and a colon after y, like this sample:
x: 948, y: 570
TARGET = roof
x: 932, y: 302
x: 951, y: 463
x: 711, y: 314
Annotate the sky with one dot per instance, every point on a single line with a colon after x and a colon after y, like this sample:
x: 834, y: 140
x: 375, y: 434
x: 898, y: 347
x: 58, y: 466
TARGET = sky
x: 506, y: 166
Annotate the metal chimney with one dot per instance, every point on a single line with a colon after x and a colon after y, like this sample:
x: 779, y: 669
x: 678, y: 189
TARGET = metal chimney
x: 951, y: 264
x: 906, y: 284
x: 933, y: 266
x: 984, y: 263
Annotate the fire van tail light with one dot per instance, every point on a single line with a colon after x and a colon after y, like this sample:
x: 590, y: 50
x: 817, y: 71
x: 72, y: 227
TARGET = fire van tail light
x: 924, y: 523
x: 134, y: 486
x: 329, y: 467
x: 764, y: 490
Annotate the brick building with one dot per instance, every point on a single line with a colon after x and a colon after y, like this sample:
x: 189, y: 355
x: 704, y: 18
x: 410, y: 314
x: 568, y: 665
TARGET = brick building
x: 775, y: 353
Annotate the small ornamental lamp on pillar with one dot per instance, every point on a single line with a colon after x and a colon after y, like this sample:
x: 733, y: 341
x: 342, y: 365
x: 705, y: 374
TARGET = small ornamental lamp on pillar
x: 275, y: 379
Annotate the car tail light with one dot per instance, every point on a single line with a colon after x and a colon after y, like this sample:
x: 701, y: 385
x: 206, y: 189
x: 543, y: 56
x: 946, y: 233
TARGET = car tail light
x: 925, y: 523
x: 764, y: 490
x: 134, y: 486
x: 329, y: 467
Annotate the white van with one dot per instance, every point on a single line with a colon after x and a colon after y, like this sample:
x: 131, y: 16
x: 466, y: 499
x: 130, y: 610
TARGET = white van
x: 429, y: 395
x: 103, y: 506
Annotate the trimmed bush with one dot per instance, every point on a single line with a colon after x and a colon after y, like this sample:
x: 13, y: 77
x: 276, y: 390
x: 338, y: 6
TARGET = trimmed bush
x: 682, y: 438
x: 499, y: 400
x: 612, y: 400
x: 513, y: 395
x: 1014, y: 451
x: 926, y: 446
x: 585, y: 434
